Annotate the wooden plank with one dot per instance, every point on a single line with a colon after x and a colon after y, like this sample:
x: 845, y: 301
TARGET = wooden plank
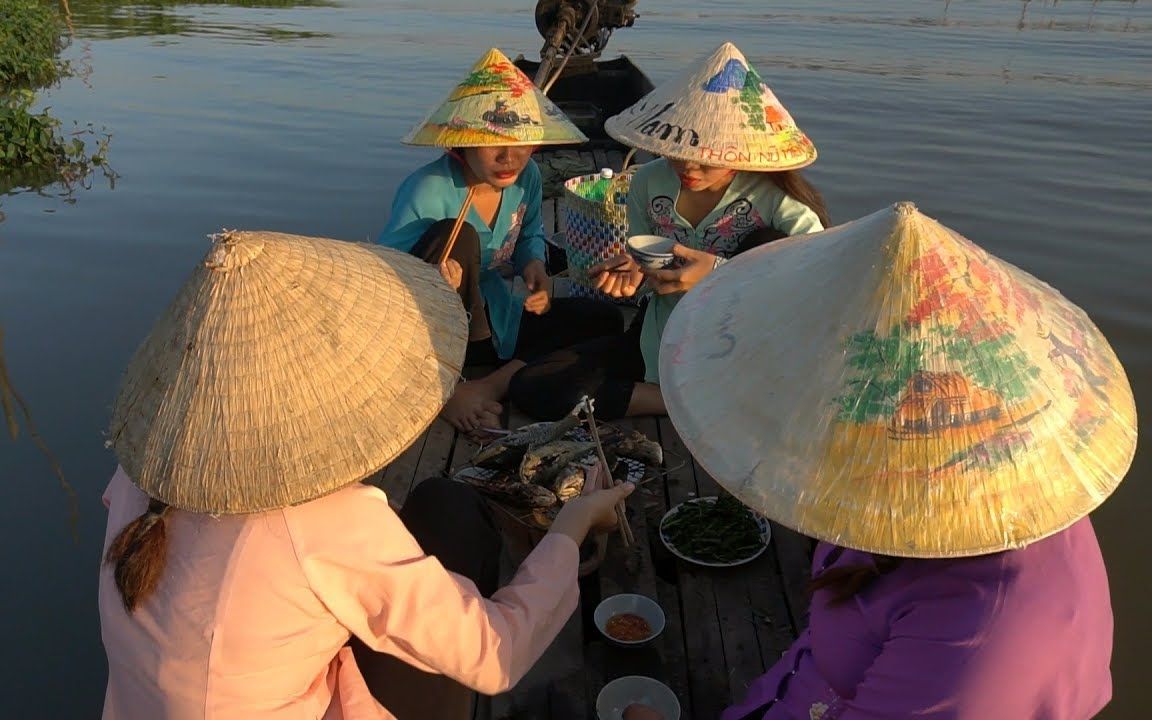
x: 548, y: 217
x: 652, y: 501
x: 794, y: 555
x: 568, y: 691
x: 730, y: 587
x: 600, y: 158
x: 708, y: 679
x: 436, y: 452
x: 396, y: 479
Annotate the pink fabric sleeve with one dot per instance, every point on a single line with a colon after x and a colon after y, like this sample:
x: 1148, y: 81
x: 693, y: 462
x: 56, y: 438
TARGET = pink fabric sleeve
x: 372, y: 575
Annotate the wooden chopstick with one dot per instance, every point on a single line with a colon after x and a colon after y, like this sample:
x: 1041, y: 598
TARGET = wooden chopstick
x: 621, y: 516
x: 459, y: 224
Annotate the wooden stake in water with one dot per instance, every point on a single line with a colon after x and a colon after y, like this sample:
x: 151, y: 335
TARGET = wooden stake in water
x: 459, y: 224
x: 621, y: 516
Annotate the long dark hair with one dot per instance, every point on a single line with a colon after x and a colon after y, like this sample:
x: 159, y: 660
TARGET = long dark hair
x: 844, y: 583
x: 138, y: 555
x: 795, y: 185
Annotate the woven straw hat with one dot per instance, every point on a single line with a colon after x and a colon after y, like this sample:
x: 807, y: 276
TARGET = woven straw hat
x: 286, y: 368
x: 721, y: 114
x: 496, y: 104
x: 888, y: 386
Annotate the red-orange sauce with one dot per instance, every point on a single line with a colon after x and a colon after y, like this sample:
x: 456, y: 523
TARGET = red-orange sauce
x: 628, y: 627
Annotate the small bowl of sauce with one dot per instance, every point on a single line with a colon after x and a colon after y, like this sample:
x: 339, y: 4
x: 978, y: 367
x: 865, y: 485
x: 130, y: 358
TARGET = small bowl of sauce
x: 629, y: 620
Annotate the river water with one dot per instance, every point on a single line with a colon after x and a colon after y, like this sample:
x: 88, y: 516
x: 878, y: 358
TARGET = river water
x: 1024, y: 125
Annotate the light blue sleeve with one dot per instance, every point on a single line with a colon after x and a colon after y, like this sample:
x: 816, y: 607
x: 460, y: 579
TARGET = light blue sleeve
x: 530, y: 244
x: 791, y: 217
x: 415, y: 208
x: 795, y: 218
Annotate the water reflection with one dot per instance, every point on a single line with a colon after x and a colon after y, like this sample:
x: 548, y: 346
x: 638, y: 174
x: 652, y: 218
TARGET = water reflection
x: 112, y: 19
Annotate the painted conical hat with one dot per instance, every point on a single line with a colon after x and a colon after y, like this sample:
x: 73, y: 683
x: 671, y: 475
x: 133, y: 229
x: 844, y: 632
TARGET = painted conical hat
x: 496, y: 104
x: 888, y: 386
x: 720, y: 114
x: 286, y: 368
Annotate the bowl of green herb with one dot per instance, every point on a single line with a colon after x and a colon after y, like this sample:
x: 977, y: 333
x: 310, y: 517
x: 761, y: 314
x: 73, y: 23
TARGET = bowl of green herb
x: 714, y: 532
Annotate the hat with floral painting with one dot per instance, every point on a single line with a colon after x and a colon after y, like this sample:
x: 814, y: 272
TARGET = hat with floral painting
x: 889, y: 386
x: 721, y: 113
x: 496, y: 104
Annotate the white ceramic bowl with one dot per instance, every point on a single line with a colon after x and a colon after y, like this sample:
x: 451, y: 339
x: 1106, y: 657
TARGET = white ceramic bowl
x: 622, y: 692
x: 640, y: 605
x: 652, y: 252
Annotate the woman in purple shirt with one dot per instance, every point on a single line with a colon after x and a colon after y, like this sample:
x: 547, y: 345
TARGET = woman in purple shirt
x: 955, y: 422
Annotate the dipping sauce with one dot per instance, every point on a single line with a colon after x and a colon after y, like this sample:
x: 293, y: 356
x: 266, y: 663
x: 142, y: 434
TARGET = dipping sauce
x: 628, y: 627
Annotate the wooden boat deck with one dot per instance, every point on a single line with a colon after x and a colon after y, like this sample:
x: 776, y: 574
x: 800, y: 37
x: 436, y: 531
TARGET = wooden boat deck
x: 725, y: 627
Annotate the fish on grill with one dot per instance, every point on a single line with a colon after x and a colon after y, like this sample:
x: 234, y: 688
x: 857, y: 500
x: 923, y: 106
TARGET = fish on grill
x: 637, y: 446
x: 507, y: 452
x: 543, y: 463
x: 511, y: 491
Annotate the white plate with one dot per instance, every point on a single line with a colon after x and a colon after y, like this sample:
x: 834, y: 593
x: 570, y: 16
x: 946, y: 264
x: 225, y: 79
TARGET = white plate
x: 765, y: 535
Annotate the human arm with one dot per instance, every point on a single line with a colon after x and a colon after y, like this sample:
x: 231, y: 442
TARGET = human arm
x: 529, y: 255
x: 940, y: 662
x: 416, y: 206
x: 620, y: 276
x: 692, y: 266
x: 530, y: 245
x: 377, y: 582
x: 790, y: 217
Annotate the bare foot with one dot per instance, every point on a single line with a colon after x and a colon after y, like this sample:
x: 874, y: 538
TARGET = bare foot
x: 474, y: 405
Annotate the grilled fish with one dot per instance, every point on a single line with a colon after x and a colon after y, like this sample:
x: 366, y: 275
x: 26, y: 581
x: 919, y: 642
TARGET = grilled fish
x: 637, y: 446
x: 511, y: 491
x: 507, y: 452
x: 543, y: 463
x: 569, y: 482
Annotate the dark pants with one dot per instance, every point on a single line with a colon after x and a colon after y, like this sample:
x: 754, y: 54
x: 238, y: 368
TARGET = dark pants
x: 569, y: 321
x: 606, y: 368
x: 453, y: 523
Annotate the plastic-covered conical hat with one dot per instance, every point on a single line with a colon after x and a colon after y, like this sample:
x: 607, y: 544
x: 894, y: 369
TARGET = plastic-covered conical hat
x: 496, y: 104
x: 286, y: 368
x: 888, y: 386
x: 722, y: 114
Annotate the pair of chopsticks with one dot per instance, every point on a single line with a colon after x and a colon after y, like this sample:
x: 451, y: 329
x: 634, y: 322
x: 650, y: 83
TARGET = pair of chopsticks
x: 621, y: 517
x: 468, y: 197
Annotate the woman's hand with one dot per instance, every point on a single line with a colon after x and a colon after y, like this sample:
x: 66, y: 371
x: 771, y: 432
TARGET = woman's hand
x: 619, y: 276
x: 452, y: 273
x: 593, y: 511
x: 692, y: 267
x: 539, y: 285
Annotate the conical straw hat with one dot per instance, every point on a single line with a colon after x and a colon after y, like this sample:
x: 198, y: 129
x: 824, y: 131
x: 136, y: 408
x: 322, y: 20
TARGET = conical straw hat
x: 888, y: 386
x: 286, y: 368
x: 496, y: 104
x: 720, y: 114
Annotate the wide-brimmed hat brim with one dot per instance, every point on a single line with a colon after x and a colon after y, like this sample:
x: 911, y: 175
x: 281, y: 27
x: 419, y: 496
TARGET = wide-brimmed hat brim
x: 286, y: 368
x: 887, y: 385
x: 495, y: 105
x: 721, y: 113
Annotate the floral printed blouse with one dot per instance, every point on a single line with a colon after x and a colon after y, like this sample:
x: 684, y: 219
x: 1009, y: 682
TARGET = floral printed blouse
x: 752, y: 202
x: 436, y: 192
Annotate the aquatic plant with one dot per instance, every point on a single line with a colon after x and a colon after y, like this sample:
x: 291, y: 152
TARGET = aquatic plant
x: 35, y: 152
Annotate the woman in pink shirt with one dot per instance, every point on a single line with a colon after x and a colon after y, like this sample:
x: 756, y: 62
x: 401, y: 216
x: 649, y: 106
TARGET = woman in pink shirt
x: 242, y: 552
